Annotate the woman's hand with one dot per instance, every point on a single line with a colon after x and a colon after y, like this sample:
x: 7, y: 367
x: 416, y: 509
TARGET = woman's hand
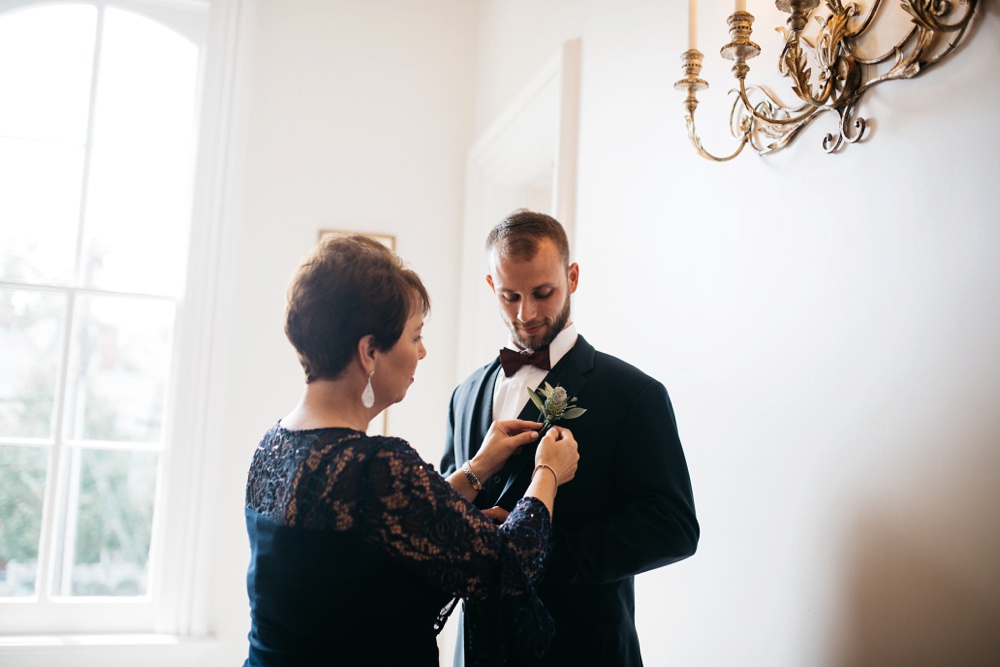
x: 504, y: 439
x: 555, y: 464
x: 558, y: 449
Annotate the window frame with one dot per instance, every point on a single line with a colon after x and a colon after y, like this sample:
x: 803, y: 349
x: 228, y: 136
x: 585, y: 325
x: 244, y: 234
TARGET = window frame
x: 172, y: 604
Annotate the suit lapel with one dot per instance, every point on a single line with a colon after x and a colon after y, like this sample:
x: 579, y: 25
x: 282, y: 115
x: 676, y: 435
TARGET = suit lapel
x: 569, y: 374
x: 482, y: 412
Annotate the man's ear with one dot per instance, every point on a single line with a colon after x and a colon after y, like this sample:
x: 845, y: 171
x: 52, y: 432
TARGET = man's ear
x: 489, y: 280
x: 573, y: 274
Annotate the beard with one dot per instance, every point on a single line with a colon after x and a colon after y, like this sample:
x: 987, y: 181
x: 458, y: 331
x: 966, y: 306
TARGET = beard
x: 546, y: 337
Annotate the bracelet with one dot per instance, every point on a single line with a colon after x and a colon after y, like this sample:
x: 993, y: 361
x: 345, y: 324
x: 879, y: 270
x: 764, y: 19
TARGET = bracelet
x: 471, y: 476
x: 551, y: 469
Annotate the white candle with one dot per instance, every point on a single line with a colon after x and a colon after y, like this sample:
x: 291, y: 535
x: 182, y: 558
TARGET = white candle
x: 741, y: 5
x: 692, y: 25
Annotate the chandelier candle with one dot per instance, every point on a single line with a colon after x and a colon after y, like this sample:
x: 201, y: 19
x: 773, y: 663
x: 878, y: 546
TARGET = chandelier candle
x: 692, y: 25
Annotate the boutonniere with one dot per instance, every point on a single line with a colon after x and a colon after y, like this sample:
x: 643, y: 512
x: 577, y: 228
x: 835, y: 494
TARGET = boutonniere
x: 555, y: 404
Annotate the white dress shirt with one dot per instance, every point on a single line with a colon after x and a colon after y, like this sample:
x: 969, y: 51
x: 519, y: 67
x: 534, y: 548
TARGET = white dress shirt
x: 509, y: 393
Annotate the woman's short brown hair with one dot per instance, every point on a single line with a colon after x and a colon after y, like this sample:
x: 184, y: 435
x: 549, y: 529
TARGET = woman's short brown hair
x: 347, y: 288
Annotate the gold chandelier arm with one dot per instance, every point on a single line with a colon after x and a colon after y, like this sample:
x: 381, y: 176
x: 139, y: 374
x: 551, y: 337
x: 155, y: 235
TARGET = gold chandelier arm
x: 791, y: 120
x: 952, y: 45
x: 849, y: 39
x: 691, y: 84
x: 804, y: 91
x: 696, y: 142
x: 864, y: 24
x: 925, y: 14
x: 924, y: 22
x: 850, y: 48
x: 913, y: 64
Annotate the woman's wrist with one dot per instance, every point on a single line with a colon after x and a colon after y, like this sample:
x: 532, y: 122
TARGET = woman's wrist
x: 472, y: 477
x: 484, y: 466
x: 543, y: 487
x: 546, y: 466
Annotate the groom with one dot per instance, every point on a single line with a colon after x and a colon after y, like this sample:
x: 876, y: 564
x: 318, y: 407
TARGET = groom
x: 630, y: 508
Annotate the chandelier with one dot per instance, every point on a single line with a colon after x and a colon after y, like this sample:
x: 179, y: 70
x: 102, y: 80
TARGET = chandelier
x: 829, y: 72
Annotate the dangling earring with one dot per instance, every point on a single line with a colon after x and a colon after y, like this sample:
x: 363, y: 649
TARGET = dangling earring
x: 368, y: 396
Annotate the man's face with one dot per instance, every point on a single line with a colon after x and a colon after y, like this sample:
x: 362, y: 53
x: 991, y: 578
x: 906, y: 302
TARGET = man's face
x: 534, y: 294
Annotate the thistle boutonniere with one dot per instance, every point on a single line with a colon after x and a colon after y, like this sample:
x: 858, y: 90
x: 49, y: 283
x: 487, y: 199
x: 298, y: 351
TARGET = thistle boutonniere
x: 555, y: 404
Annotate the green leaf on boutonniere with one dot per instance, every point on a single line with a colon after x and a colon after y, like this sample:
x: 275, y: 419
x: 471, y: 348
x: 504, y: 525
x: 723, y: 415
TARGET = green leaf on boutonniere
x: 537, y: 400
x: 554, y: 404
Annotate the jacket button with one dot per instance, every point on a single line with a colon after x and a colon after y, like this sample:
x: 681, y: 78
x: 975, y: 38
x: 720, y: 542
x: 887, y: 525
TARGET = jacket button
x: 496, y: 479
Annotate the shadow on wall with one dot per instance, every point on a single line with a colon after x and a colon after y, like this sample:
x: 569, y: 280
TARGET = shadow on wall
x: 923, y: 584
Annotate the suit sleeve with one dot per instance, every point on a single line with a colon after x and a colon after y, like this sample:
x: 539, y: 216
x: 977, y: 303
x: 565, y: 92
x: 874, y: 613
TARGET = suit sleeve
x: 652, y: 521
x: 448, y: 463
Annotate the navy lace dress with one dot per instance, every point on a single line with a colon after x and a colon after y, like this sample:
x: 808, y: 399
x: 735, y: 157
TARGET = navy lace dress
x: 359, y: 549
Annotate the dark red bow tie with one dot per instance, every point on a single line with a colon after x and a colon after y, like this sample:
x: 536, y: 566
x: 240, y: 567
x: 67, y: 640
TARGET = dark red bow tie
x: 512, y: 360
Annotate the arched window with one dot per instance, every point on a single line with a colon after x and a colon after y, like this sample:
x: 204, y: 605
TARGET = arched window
x: 100, y: 107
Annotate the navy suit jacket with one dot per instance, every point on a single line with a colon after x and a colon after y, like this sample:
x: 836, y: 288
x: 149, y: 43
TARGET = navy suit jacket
x: 629, y: 509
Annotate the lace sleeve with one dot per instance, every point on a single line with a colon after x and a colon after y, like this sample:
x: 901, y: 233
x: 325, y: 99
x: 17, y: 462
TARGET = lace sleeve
x: 415, y: 517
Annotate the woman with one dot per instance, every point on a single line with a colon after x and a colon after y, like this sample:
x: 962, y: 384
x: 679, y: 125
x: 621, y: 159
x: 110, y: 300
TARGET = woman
x: 359, y: 547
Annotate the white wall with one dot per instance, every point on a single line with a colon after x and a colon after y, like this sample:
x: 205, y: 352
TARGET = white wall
x: 826, y: 325
x: 351, y: 115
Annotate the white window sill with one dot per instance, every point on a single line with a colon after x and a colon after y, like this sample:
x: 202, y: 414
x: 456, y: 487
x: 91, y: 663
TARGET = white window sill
x: 149, y: 650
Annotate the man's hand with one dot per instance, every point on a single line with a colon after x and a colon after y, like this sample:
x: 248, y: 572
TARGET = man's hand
x: 497, y: 513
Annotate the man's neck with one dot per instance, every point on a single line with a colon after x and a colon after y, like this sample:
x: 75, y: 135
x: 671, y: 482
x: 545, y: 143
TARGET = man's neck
x: 559, y: 346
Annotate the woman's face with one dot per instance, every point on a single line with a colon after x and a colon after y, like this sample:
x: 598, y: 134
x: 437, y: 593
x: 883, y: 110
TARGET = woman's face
x: 394, y: 372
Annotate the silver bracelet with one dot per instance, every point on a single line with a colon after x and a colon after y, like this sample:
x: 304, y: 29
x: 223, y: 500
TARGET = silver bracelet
x: 471, y: 476
x: 551, y: 469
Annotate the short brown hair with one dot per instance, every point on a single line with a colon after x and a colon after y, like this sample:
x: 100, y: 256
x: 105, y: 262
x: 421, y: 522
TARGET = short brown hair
x: 347, y: 288
x: 517, y: 236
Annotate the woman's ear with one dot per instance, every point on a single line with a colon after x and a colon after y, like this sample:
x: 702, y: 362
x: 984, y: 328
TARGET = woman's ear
x: 366, y: 353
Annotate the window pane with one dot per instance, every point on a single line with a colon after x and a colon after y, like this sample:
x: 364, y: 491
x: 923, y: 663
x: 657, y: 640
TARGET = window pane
x: 31, y: 335
x: 39, y: 209
x: 46, y: 55
x: 113, y: 513
x: 120, y: 363
x: 139, y: 196
x: 22, y: 488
